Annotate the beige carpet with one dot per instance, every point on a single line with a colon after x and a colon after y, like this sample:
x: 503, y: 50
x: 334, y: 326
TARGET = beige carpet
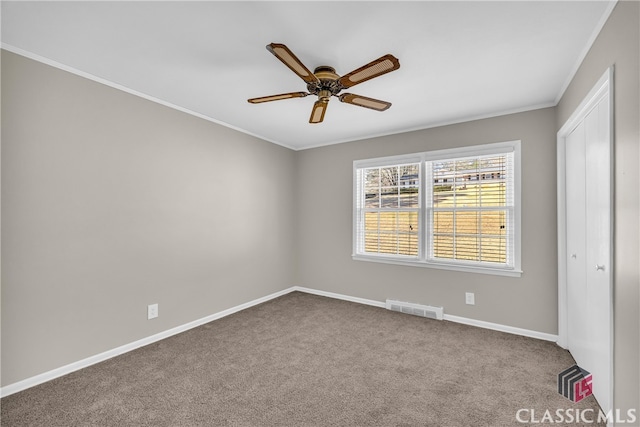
x: 306, y: 360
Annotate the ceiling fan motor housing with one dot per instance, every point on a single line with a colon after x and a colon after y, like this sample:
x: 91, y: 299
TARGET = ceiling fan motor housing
x: 327, y: 83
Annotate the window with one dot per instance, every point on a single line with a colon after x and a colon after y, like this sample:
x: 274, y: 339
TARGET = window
x: 454, y: 209
x: 391, y: 209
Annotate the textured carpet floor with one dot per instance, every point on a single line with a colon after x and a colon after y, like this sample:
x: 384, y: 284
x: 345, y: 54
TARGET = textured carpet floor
x: 306, y: 360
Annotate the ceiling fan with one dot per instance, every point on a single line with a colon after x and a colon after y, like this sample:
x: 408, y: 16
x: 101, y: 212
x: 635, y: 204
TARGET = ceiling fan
x: 324, y: 82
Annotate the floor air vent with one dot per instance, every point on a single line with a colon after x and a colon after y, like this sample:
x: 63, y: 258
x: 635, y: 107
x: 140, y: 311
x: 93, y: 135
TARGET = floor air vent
x: 415, y: 309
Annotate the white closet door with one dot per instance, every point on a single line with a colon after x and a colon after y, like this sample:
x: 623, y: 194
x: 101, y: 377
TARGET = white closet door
x: 588, y: 229
x: 578, y: 328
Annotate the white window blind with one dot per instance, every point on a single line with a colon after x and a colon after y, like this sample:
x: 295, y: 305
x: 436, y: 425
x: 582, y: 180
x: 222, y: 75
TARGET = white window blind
x: 454, y: 209
x: 388, y: 209
x: 470, y: 209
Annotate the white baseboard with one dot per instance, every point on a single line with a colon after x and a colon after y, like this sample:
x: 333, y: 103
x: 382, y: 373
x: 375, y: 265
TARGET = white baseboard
x: 457, y: 319
x: 502, y: 328
x: 84, y: 363
x: 92, y: 360
x: 339, y: 296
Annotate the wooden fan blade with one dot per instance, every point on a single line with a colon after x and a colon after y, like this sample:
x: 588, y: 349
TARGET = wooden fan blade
x: 290, y: 60
x: 278, y: 97
x: 317, y: 113
x: 363, y: 101
x: 384, y: 64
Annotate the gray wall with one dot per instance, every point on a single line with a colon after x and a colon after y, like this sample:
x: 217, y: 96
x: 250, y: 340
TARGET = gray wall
x: 111, y: 203
x: 619, y: 44
x: 324, y: 235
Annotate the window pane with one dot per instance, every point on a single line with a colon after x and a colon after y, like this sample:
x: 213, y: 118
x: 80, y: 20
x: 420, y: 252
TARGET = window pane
x: 471, y: 182
x: 443, y: 196
x: 444, y: 172
x: 467, y: 222
x: 372, y: 188
x: 442, y: 246
x: 409, y: 184
x: 442, y: 222
x: 372, y: 200
x: 467, y: 248
x: 494, y: 194
x: 409, y: 197
x: 408, y: 222
x: 389, y: 197
x: 408, y: 230
x: 391, y: 232
x: 389, y: 176
x: 494, y: 249
x: 388, y: 243
x: 388, y: 221
x: 371, y: 242
x: 408, y: 244
x: 372, y: 178
x: 371, y: 221
x: 468, y: 196
x: 409, y: 175
x: 478, y: 236
x: 494, y: 223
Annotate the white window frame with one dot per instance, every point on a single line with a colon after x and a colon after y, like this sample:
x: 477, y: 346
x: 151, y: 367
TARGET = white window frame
x: 423, y: 260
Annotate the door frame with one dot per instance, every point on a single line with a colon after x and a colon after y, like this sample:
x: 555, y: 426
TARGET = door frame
x: 604, y: 87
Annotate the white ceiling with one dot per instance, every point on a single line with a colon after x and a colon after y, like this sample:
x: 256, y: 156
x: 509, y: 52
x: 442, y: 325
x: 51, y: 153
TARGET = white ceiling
x: 458, y: 60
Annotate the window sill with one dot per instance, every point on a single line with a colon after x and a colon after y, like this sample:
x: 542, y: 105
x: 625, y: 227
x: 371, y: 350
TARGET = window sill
x: 440, y: 266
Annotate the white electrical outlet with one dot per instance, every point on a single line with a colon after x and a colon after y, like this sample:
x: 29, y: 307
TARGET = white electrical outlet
x: 470, y: 298
x: 152, y: 311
